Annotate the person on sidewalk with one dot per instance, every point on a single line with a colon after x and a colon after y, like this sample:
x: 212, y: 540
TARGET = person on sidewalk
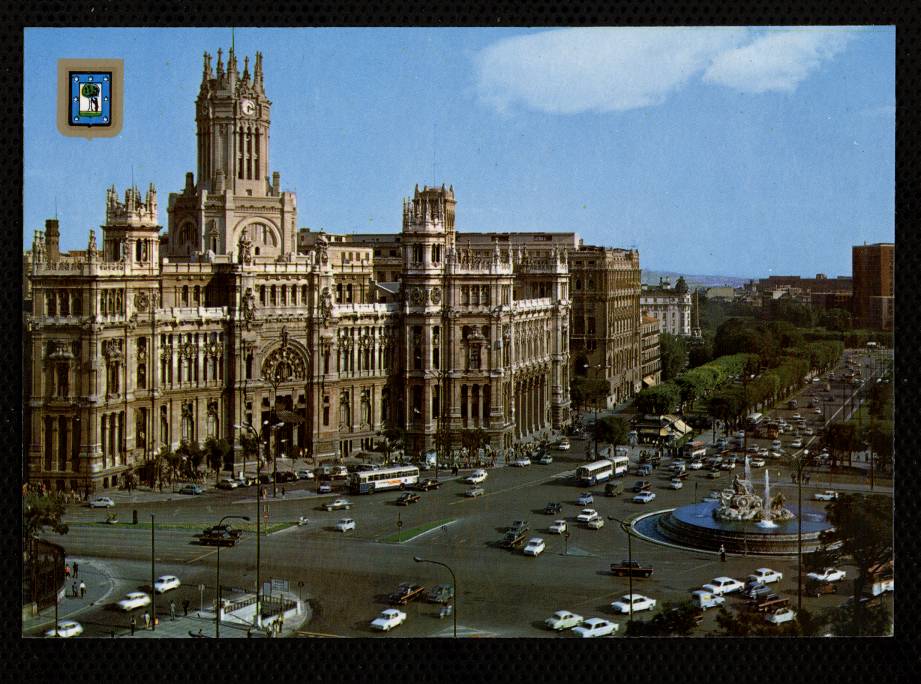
x: 67, y: 571
x: 146, y: 620
x: 172, y: 611
x: 82, y: 589
x: 73, y: 590
x: 76, y: 568
x: 722, y: 553
x: 133, y: 624
x: 185, y: 608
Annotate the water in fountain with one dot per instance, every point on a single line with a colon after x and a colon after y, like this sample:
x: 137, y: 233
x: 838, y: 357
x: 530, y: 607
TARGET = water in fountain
x: 766, y: 504
x: 748, y: 469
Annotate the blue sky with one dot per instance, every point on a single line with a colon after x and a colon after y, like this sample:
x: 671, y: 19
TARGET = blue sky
x: 733, y: 151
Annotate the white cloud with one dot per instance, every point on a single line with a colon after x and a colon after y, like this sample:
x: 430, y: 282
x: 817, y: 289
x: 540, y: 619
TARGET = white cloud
x: 779, y: 60
x: 596, y: 69
x: 577, y: 70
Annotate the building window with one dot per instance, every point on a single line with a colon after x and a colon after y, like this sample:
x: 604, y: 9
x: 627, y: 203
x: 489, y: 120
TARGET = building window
x: 326, y: 410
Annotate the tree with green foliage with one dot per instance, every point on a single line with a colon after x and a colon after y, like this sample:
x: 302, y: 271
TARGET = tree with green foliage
x: 862, y: 525
x: 860, y: 618
x: 390, y: 440
x: 727, y: 405
x: 41, y: 512
x: 676, y: 619
x: 216, y: 450
x: 788, y: 309
x: 879, y: 436
x: 753, y: 623
x: 835, y: 319
x: 657, y: 400
x: 700, y: 351
x: 585, y: 392
x: 673, y: 355
x: 611, y: 430
x: 841, y: 439
x: 474, y: 439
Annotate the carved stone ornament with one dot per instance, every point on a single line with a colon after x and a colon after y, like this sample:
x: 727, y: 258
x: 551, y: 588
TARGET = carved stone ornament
x: 436, y: 295
x: 285, y: 363
x: 112, y: 350
x: 326, y: 304
x: 212, y: 407
x: 417, y: 296
x: 141, y: 301
x: 246, y: 248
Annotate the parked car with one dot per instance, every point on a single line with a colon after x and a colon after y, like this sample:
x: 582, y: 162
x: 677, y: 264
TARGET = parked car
x: 809, y: 432
x: 766, y: 575
x: 534, y: 547
x: 102, y: 502
x: 780, y: 615
x: 553, y: 508
x: 642, y: 486
x: 427, y: 484
x: 562, y: 619
x: 644, y: 497
x: 134, y: 600
x: 166, y: 583
x: 796, y: 443
x: 345, y: 524
x: 388, y: 619
x: 325, y: 488
x: 704, y: 599
x: 406, y: 592
x: 304, y: 475
x: 827, y: 495
x: 521, y: 462
x: 564, y: 445
x: 440, y: 593
x: 637, y: 601
x: 675, y: 483
x: 827, y: 575
x: 228, y: 483
x: 696, y: 464
x: 407, y: 498
x: 191, y: 488
x: 587, y: 515
x: 644, y: 470
x: 758, y: 462
x: 723, y: 585
x: 595, y: 627
x: 545, y: 459
x: 558, y: 527
x: 337, y: 504
x: 476, y: 477
x: 585, y: 498
x: 66, y: 629
x: 595, y: 524
x: 475, y: 491
x: 755, y: 590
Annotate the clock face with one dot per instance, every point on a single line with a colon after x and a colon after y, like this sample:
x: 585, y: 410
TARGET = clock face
x: 248, y: 107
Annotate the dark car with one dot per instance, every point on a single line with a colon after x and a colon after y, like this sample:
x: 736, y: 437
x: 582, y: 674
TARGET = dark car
x: 407, y: 498
x: 553, y: 508
x: 520, y: 526
x: 285, y: 476
x: 219, y: 535
x: 406, y: 592
x: 440, y: 593
x: 222, y: 529
x: 427, y: 484
x: 642, y: 486
x: 630, y: 568
x: 613, y: 488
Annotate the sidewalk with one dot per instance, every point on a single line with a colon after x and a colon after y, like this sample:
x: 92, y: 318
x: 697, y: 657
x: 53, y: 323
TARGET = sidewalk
x: 99, y: 588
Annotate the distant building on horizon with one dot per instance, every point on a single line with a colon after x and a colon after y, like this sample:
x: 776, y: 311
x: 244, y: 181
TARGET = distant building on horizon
x: 874, y: 293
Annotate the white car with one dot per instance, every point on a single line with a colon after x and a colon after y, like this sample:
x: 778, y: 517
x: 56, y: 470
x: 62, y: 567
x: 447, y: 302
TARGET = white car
x: 534, y: 547
x: 476, y: 477
x: 757, y: 463
x: 776, y: 454
x: 521, y: 462
x: 675, y: 484
x: 827, y: 495
x: 134, y: 600
x: 766, y: 575
x: 65, y: 630
x: 595, y: 524
x: 776, y: 444
x: 696, y: 464
x: 388, y: 619
x: 724, y: 585
x: 638, y: 601
x: 558, y: 527
x: 809, y: 432
x: 797, y: 416
x: 345, y: 524
x: 595, y: 627
x: 564, y: 445
x: 475, y: 492
x: 817, y: 411
x: 562, y: 619
x: 780, y: 616
x: 587, y: 515
x: 827, y: 575
x: 166, y: 583
x: 797, y: 443
x: 644, y: 497
x: 102, y: 502
x: 325, y: 488
x: 585, y: 498
x: 336, y: 504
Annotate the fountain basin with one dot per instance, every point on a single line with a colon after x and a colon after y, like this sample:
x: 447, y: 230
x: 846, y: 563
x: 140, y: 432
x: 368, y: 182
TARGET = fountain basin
x: 694, y: 526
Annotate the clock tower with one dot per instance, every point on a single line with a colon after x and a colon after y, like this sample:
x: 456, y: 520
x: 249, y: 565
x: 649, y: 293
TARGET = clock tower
x: 232, y: 113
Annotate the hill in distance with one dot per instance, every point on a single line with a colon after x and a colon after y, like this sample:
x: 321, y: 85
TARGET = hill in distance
x: 694, y: 281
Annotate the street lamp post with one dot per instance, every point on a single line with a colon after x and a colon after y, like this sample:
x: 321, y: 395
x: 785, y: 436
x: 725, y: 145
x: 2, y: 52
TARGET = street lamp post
x: 153, y: 573
x: 248, y: 426
x: 453, y: 579
x: 626, y: 528
x: 275, y: 465
x: 800, y: 464
x: 217, y: 605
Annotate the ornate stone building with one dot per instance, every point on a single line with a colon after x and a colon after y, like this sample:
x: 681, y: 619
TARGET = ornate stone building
x: 668, y: 305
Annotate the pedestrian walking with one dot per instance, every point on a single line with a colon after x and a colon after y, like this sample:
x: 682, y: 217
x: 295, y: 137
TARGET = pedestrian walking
x: 67, y: 571
x: 82, y: 589
x: 808, y: 477
x: 73, y: 590
x: 132, y: 624
x: 146, y: 620
x: 76, y: 568
x: 282, y: 492
x: 185, y: 608
x: 722, y: 553
x: 172, y: 611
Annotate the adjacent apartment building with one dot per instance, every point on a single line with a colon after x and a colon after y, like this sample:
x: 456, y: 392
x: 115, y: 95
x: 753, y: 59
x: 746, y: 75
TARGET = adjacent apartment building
x: 874, y: 285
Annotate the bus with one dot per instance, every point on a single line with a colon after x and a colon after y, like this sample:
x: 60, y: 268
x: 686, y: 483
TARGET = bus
x: 755, y: 419
x: 621, y: 464
x: 370, y: 481
x: 593, y: 473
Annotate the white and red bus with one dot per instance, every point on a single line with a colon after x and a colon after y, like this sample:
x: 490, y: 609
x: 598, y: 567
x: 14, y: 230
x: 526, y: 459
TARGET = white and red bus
x: 396, y: 477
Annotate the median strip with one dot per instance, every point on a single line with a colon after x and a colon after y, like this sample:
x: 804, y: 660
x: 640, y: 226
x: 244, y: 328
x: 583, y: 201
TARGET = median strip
x: 404, y: 536
x: 248, y: 527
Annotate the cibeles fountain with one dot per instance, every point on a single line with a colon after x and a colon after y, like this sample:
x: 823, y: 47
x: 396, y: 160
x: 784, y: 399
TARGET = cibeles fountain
x: 739, y: 520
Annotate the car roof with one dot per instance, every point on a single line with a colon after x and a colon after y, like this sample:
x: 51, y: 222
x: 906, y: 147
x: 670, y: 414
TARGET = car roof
x: 535, y: 540
x: 723, y: 579
x: 594, y: 621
